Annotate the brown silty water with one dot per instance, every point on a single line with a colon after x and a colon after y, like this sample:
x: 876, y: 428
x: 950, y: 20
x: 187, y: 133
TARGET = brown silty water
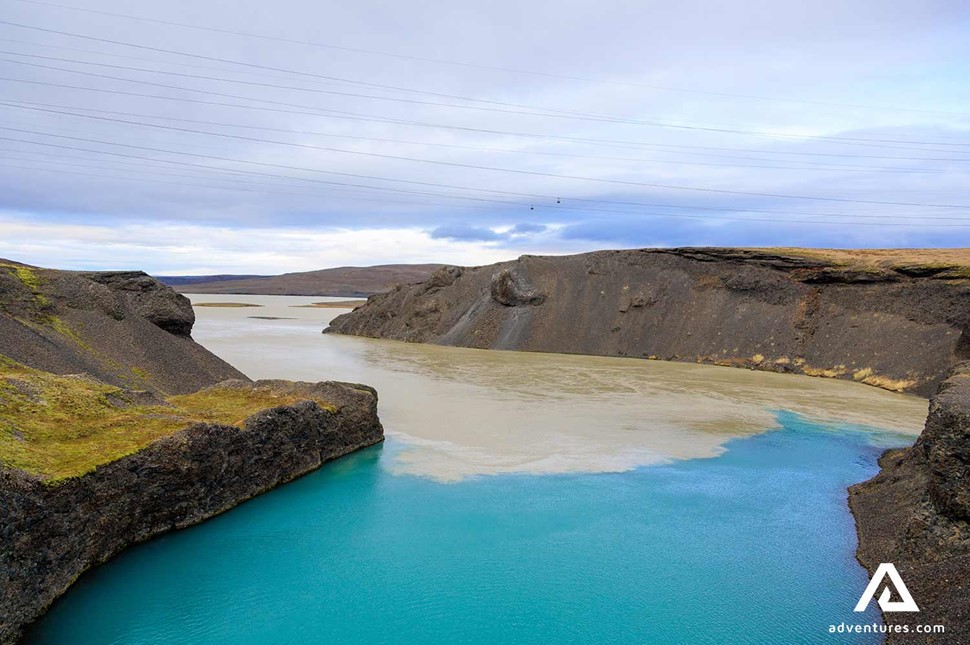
x: 462, y: 412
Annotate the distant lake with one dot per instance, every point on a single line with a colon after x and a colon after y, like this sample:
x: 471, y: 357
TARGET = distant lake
x: 519, y: 498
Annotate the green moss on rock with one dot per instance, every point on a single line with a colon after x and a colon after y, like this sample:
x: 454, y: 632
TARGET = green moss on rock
x: 58, y: 426
x: 32, y: 280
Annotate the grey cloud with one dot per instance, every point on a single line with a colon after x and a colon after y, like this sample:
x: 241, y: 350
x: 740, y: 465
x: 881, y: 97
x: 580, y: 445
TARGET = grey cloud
x: 466, y: 234
x: 527, y: 228
x: 353, y: 162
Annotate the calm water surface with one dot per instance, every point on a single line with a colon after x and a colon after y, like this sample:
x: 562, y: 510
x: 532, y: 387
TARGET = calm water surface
x: 519, y: 498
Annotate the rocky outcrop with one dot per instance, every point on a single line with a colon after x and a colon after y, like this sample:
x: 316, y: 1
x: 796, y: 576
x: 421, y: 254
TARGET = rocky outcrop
x: 899, y: 326
x: 945, y: 445
x: 147, y: 297
x: 128, y: 330
x: 915, y: 514
x: 124, y: 328
x: 51, y: 533
x: 510, y: 287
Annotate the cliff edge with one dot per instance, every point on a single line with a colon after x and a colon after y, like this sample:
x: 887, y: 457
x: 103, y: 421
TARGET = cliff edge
x: 122, y: 327
x: 894, y: 321
x: 916, y: 514
x: 55, y: 529
x: 115, y: 426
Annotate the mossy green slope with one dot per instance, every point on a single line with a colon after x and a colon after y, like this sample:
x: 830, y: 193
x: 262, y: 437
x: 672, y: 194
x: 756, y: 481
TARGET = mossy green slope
x: 60, y: 426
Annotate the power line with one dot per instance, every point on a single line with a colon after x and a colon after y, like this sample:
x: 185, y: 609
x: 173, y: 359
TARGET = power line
x: 531, y: 196
x: 58, y: 159
x: 436, y: 162
x: 336, y: 114
x: 131, y: 168
x: 856, y: 140
x: 548, y: 113
x: 228, y: 188
x: 656, y: 145
x: 557, y: 114
x: 442, y: 185
x: 817, y: 165
x: 338, y: 79
x: 598, y: 210
x: 145, y: 59
x: 360, y: 50
x: 231, y: 171
x: 256, y: 173
x: 375, y: 119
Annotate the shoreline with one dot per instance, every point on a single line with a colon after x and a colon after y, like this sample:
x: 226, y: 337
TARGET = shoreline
x: 903, y: 328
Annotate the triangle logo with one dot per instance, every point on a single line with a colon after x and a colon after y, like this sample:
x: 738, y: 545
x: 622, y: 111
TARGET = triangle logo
x: 906, y: 602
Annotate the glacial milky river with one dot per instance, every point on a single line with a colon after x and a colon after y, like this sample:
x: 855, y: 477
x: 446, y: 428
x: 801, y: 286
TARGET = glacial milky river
x: 519, y: 498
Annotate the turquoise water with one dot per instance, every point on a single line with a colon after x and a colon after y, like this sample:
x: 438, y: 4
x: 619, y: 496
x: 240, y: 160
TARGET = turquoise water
x: 753, y: 546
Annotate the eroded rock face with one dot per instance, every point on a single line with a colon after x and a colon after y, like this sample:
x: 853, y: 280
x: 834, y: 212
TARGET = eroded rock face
x: 897, y: 329
x: 123, y: 327
x: 443, y: 277
x: 512, y: 288
x: 155, y: 302
x: 945, y: 443
x: 914, y: 513
x: 49, y: 535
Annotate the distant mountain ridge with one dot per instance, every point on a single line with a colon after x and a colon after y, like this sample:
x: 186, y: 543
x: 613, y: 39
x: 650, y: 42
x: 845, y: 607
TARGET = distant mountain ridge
x: 338, y: 281
x: 179, y: 280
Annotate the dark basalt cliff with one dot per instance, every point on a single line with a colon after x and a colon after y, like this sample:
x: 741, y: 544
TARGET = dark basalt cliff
x: 900, y: 327
x: 124, y: 328
x: 51, y: 534
x: 916, y: 514
x: 107, y: 350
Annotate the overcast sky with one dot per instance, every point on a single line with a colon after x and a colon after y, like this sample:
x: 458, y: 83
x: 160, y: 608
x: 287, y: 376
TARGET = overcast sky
x: 375, y: 132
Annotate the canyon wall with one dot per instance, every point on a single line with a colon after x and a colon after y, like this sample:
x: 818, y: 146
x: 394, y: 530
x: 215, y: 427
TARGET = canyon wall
x: 81, y: 348
x: 899, y: 327
x: 916, y: 514
x: 52, y: 532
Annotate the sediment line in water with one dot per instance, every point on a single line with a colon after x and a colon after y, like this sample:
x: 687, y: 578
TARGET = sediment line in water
x: 466, y: 412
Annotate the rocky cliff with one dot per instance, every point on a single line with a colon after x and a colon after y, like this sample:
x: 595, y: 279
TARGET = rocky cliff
x: 895, y: 322
x: 116, y: 426
x: 124, y: 328
x: 52, y: 532
x: 916, y: 514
